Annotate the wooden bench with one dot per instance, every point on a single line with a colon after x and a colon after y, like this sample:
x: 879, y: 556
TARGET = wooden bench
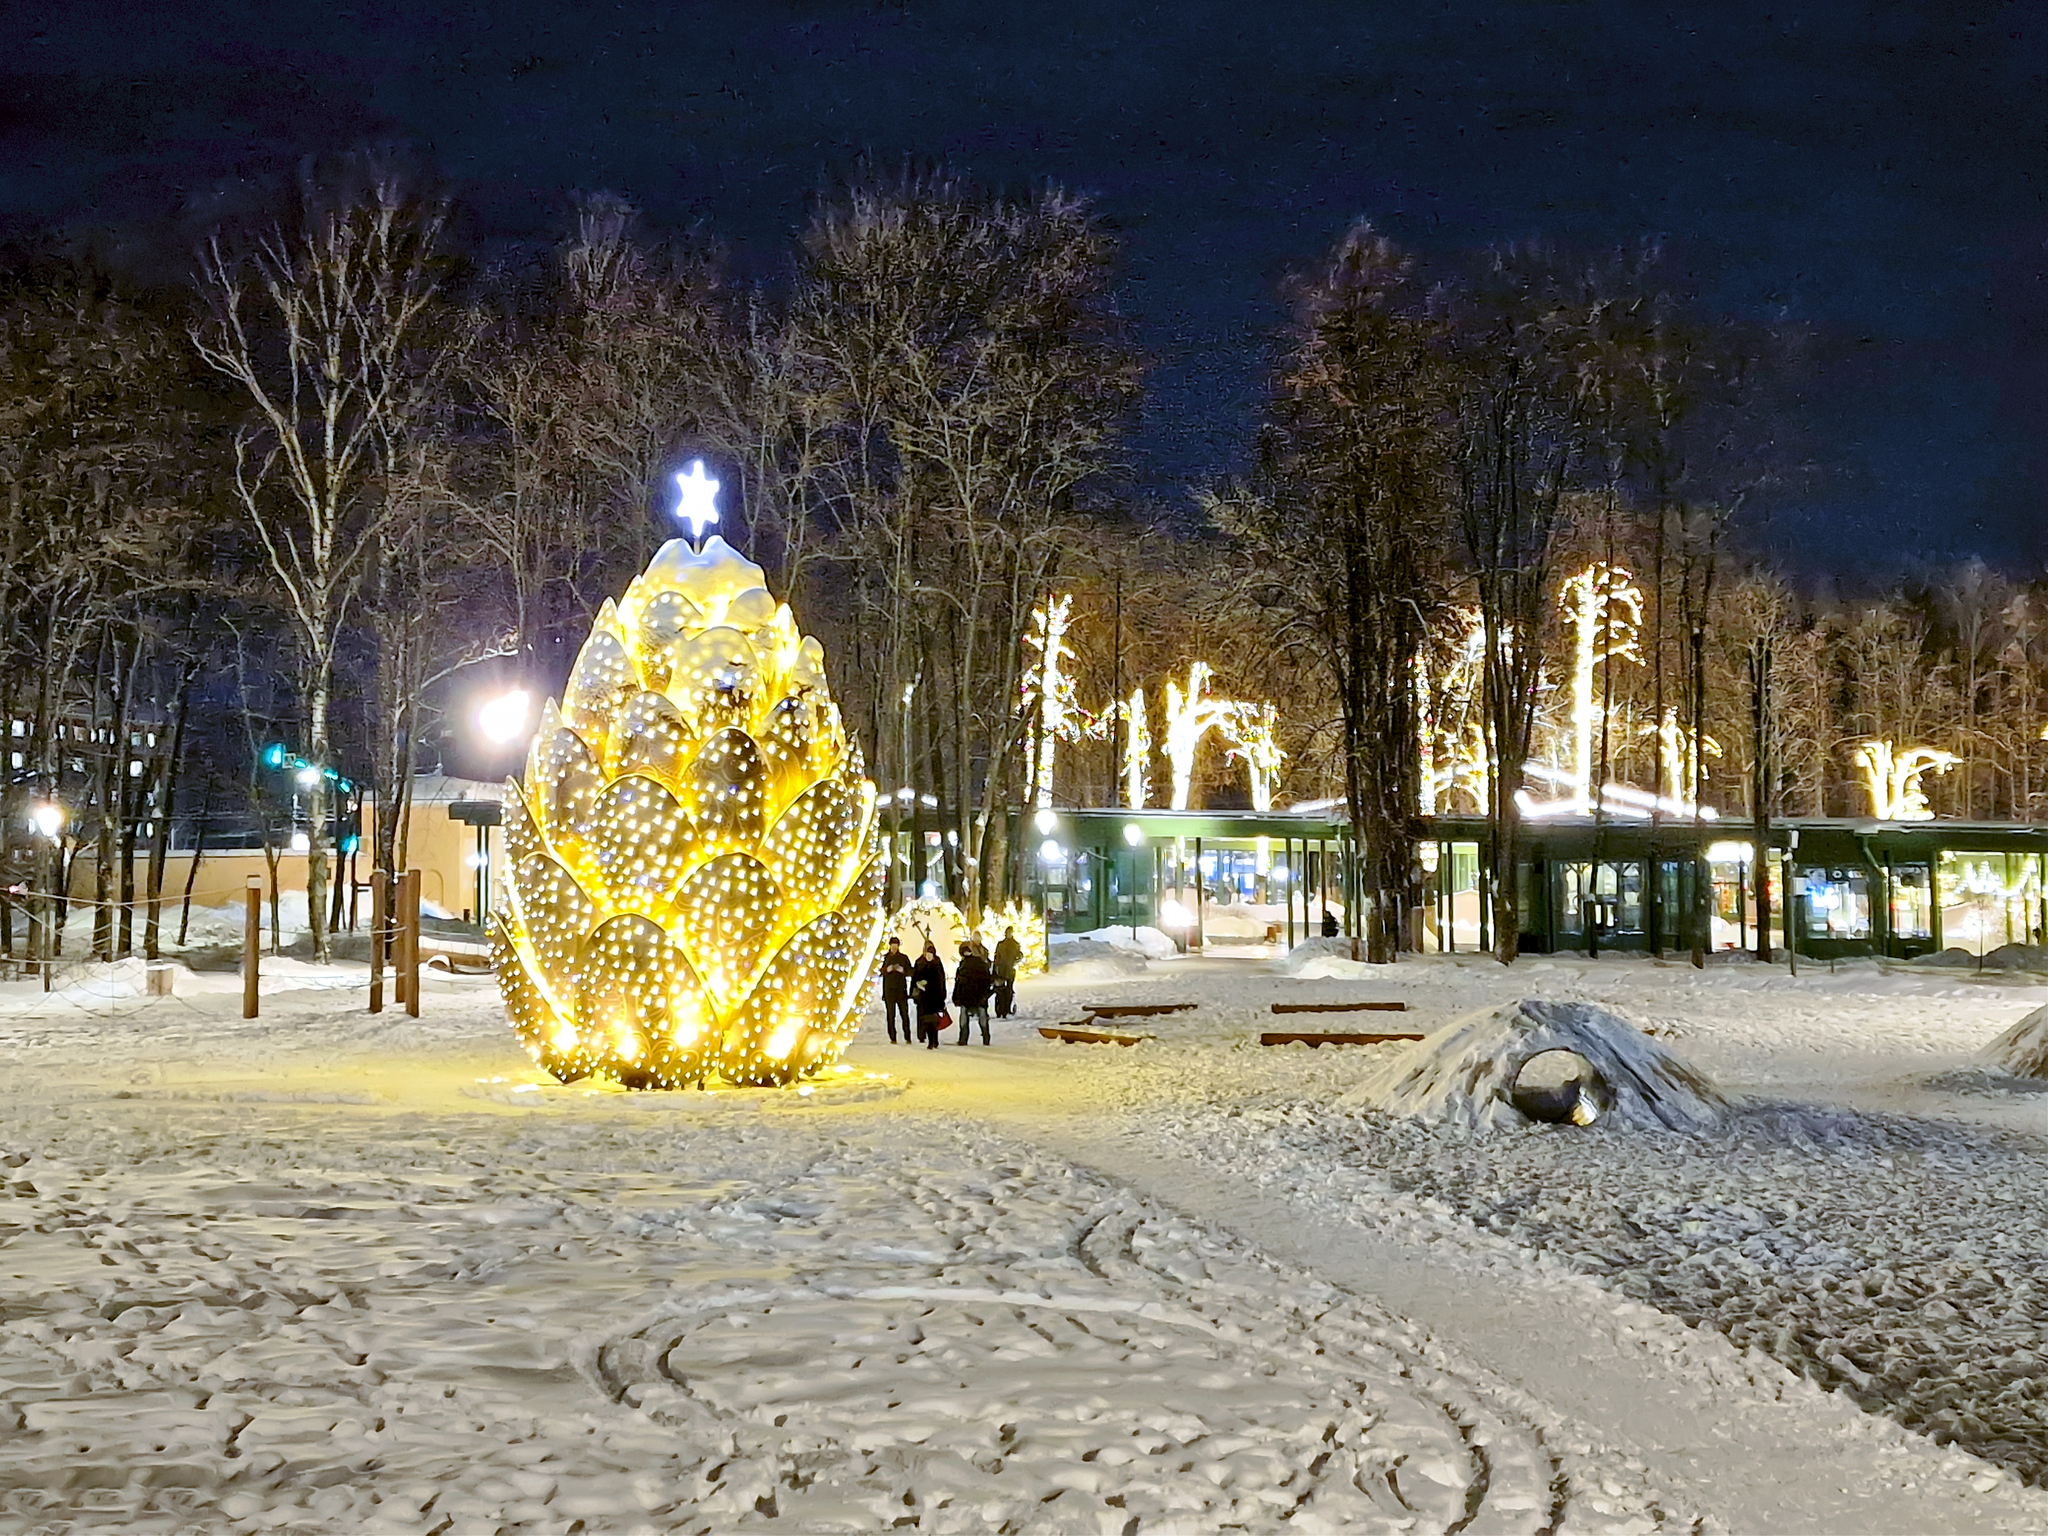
x: 1080, y: 1034
x: 1136, y: 1010
x: 1340, y: 1007
x: 1314, y: 1038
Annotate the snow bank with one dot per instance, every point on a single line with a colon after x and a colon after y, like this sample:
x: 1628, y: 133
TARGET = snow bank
x: 223, y: 924
x: 2023, y: 1049
x: 1088, y: 959
x: 1321, y: 959
x: 1234, y: 922
x: 1149, y: 942
x: 2017, y: 957
x: 1466, y: 1073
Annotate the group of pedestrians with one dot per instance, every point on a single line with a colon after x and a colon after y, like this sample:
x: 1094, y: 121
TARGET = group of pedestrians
x: 918, y: 989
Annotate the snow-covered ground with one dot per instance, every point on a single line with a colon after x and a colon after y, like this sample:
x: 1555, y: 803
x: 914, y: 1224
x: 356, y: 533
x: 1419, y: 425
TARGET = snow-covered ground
x: 325, y: 1271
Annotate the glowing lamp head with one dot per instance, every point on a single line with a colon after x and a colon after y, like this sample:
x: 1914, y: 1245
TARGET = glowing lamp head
x: 1133, y: 833
x: 1050, y: 851
x: 507, y: 718
x: 697, y: 503
x: 47, y: 819
x: 1045, y: 821
x: 308, y: 777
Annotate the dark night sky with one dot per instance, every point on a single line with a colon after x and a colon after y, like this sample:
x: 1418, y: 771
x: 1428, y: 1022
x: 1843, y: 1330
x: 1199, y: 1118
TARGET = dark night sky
x: 1874, y: 173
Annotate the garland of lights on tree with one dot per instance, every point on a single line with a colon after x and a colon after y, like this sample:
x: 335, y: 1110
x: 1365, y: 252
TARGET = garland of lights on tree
x: 694, y: 866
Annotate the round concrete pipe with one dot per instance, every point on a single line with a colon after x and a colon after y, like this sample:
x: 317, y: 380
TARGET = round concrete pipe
x: 1560, y: 1087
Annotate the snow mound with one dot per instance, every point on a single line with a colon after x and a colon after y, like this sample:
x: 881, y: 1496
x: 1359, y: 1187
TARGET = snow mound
x: 1084, y: 959
x: 2017, y: 957
x: 1471, y: 1073
x: 2022, y: 1050
x: 1239, y: 922
x: 1950, y: 959
x: 1146, y: 941
x: 1321, y: 959
x: 1310, y: 950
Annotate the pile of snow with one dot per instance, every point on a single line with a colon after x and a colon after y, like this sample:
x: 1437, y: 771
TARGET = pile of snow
x: 1082, y: 958
x: 1148, y: 942
x: 1469, y: 1073
x: 2017, y: 957
x: 2023, y: 1049
x: 1235, y: 922
x: 1321, y: 959
x: 1952, y: 959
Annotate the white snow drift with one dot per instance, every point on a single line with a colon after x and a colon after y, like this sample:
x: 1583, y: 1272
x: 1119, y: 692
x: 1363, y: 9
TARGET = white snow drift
x: 1471, y: 1073
x: 2023, y: 1049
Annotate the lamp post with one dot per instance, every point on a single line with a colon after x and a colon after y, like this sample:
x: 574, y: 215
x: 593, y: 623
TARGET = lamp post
x: 504, y: 720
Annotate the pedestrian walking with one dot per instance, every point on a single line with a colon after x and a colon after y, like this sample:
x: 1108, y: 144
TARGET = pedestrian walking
x: 896, y: 988
x: 1009, y: 955
x: 928, y: 995
x: 973, y: 981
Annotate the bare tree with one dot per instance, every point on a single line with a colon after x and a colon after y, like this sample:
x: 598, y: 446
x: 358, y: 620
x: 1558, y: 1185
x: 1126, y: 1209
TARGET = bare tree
x: 1521, y: 433
x: 1343, y: 536
x: 93, y: 532
x: 322, y: 319
x: 975, y: 374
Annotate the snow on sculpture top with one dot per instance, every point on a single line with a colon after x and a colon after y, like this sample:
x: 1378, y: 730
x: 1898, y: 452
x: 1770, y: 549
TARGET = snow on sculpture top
x: 1466, y: 1073
x: 694, y: 871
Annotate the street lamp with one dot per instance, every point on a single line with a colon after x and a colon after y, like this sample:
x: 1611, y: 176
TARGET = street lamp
x: 506, y: 718
x: 47, y: 819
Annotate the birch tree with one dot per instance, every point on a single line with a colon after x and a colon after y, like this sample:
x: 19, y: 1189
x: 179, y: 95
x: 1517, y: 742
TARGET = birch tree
x: 321, y: 319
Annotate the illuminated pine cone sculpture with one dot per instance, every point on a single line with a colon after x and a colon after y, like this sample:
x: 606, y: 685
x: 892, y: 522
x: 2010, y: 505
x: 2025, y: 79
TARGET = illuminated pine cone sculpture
x: 694, y: 867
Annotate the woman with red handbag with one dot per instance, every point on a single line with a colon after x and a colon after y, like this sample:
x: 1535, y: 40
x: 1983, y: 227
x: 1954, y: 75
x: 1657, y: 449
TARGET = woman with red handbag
x: 928, y: 995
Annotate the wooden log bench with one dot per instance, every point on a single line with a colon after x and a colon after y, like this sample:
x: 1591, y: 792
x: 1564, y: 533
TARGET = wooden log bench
x: 1313, y: 1038
x: 1136, y: 1010
x: 1078, y: 1033
x: 1340, y: 1007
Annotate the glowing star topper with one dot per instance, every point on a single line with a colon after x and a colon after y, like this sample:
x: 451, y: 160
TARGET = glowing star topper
x: 698, y: 505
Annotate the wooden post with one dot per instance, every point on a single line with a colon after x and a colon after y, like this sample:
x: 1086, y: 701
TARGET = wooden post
x: 380, y: 913
x: 409, y: 940
x: 395, y: 919
x: 252, y: 943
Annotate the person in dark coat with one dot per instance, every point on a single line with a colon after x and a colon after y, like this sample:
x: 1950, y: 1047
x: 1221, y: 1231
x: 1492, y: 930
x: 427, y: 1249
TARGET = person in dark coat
x: 1329, y: 924
x: 896, y: 988
x: 1009, y: 955
x: 973, y: 981
x: 928, y: 994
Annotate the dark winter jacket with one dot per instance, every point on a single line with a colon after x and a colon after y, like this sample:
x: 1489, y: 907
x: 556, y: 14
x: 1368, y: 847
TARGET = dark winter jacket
x: 928, y: 985
x: 895, y: 976
x: 1009, y: 955
x: 973, y: 981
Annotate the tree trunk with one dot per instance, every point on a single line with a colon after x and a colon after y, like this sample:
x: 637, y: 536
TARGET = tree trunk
x: 317, y: 817
x: 165, y: 808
